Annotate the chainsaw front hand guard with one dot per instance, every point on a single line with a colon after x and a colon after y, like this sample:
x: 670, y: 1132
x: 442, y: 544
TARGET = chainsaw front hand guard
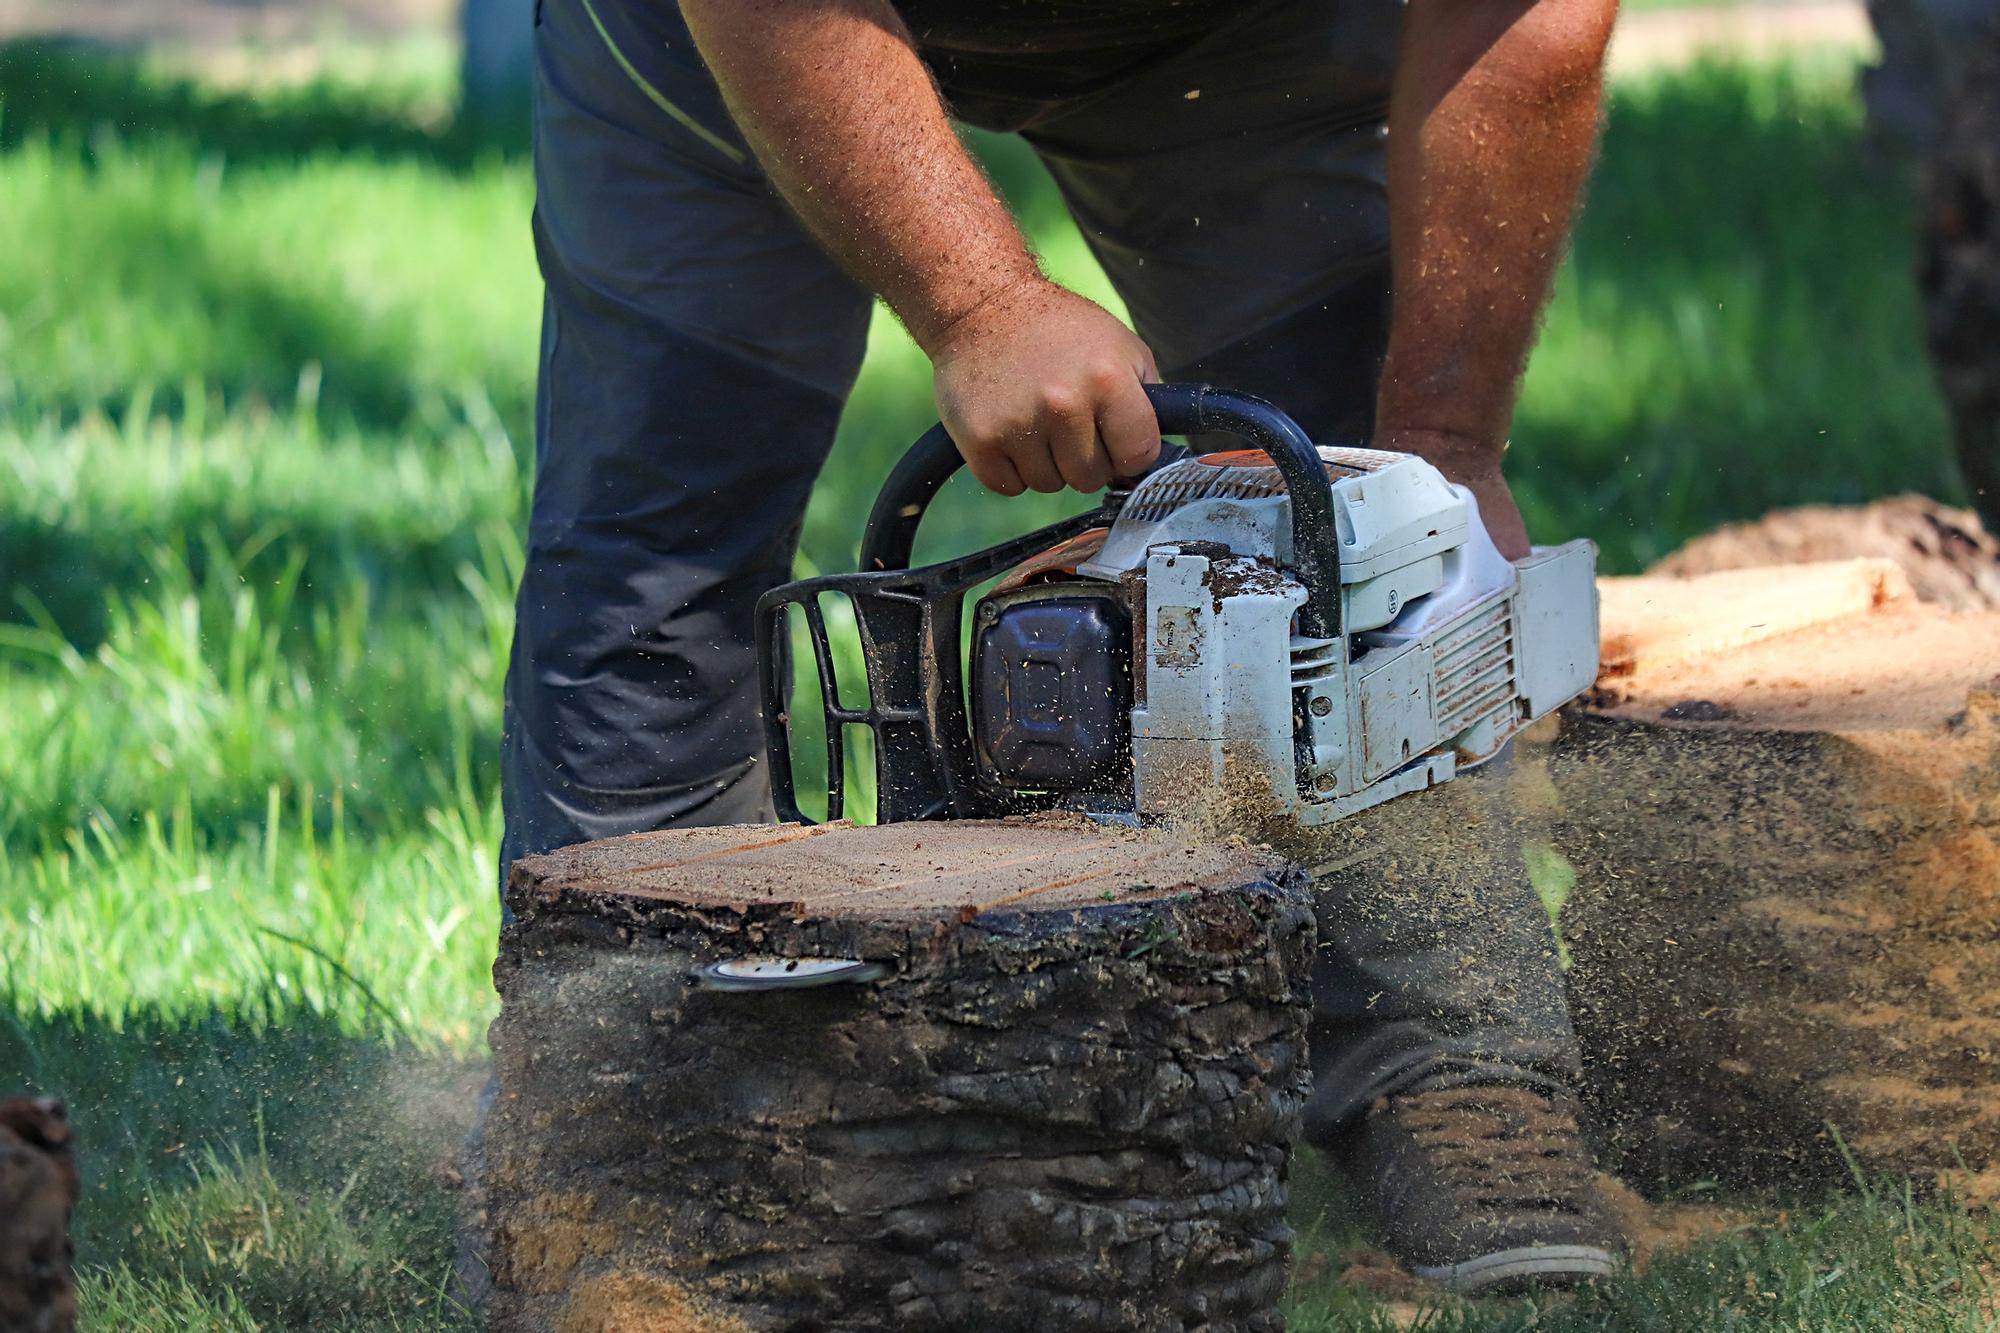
x: 910, y: 621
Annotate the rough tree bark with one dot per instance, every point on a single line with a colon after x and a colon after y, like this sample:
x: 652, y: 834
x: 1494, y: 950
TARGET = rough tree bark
x: 39, y: 1188
x: 1783, y: 807
x: 1960, y: 272
x: 1068, y: 1104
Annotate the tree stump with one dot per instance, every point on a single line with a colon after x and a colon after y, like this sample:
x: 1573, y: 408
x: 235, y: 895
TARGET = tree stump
x: 1783, y: 807
x: 1067, y: 1102
x: 39, y: 1189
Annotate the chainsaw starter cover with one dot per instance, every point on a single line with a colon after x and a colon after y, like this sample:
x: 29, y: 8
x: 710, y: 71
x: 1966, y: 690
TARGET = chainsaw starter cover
x: 1052, y: 692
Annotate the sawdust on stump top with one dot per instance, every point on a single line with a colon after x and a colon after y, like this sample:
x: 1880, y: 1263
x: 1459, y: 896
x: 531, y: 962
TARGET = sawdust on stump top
x: 1047, y: 861
x: 1783, y: 803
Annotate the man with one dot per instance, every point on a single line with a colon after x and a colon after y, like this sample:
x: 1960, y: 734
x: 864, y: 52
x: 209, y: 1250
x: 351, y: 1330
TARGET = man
x: 722, y: 189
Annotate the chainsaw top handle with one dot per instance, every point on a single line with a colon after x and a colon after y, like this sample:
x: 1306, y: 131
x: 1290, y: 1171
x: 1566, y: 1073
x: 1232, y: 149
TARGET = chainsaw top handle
x: 1183, y: 409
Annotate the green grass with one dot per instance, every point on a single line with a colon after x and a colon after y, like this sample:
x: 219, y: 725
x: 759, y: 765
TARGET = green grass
x: 1738, y: 327
x: 252, y: 1164
x: 266, y: 368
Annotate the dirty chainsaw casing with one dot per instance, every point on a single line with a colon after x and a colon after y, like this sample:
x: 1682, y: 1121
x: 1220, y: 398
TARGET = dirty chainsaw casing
x: 1320, y: 628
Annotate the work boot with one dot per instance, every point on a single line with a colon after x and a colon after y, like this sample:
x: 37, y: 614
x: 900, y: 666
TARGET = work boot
x: 1483, y: 1190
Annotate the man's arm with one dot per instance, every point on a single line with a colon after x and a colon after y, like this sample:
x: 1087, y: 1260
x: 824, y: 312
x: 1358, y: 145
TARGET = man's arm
x: 1492, y: 123
x: 1038, y: 386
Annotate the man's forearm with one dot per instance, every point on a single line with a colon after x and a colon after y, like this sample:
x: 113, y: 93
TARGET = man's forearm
x: 1492, y: 124
x: 1039, y: 388
x: 844, y: 118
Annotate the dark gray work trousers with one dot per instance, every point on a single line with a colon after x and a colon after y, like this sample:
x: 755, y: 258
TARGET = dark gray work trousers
x: 697, y: 348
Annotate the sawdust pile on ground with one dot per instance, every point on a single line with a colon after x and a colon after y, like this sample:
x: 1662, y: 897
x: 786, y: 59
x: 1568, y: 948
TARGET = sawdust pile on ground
x: 640, y: 1303
x: 1950, y: 559
x: 1406, y: 1301
x: 1899, y: 666
x: 1932, y: 1008
x: 560, y: 1243
x: 1653, y: 1230
x: 553, y: 1234
x: 1656, y: 1229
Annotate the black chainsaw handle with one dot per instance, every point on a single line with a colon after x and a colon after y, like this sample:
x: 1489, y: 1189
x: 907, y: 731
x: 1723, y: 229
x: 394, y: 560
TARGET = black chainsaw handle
x: 1183, y: 409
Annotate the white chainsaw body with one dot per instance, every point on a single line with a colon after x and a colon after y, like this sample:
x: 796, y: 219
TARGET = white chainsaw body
x: 1448, y: 649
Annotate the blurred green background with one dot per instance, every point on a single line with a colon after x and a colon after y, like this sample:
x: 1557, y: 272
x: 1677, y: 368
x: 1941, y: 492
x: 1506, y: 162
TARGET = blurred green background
x: 266, y: 373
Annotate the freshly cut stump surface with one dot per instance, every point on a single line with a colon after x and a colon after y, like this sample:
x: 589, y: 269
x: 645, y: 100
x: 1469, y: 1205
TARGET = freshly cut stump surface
x: 1783, y: 806
x: 1067, y: 1105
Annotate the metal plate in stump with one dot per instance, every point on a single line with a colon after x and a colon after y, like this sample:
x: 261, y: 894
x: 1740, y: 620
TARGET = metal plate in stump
x: 1059, y: 1092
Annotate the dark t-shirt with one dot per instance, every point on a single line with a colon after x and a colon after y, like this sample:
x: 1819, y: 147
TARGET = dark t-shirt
x: 1007, y: 64
x: 1054, y: 26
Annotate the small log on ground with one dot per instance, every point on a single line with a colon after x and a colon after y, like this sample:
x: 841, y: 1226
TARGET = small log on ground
x: 1068, y: 1103
x: 1783, y: 806
x: 39, y: 1189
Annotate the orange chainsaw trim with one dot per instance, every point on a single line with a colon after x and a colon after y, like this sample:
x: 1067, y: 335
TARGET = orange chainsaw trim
x: 1062, y: 558
x: 1236, y: 458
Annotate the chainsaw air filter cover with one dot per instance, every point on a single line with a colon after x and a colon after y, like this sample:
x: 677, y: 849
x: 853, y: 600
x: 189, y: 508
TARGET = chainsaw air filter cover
x: 1051, y: 692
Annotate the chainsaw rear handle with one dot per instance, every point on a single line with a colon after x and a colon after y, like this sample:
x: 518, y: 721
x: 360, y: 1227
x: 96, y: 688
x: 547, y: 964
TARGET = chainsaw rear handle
x: 1183, y: 409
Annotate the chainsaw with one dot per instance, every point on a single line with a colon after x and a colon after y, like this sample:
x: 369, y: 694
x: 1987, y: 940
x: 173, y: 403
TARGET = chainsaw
x: 1322, y: 628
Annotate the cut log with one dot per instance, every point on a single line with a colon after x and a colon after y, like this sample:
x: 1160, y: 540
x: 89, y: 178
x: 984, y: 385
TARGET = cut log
x: 1067, y: 1101
x: 1785, y: 930
x: 39, y: 1189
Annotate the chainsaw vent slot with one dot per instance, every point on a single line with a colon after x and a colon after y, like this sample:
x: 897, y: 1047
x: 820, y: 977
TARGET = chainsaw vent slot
x: 1346, y: 462
x: 1475, y: 669
x: 1314, y: 660
x: 1191, y: 479
x: 1183, y: 483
